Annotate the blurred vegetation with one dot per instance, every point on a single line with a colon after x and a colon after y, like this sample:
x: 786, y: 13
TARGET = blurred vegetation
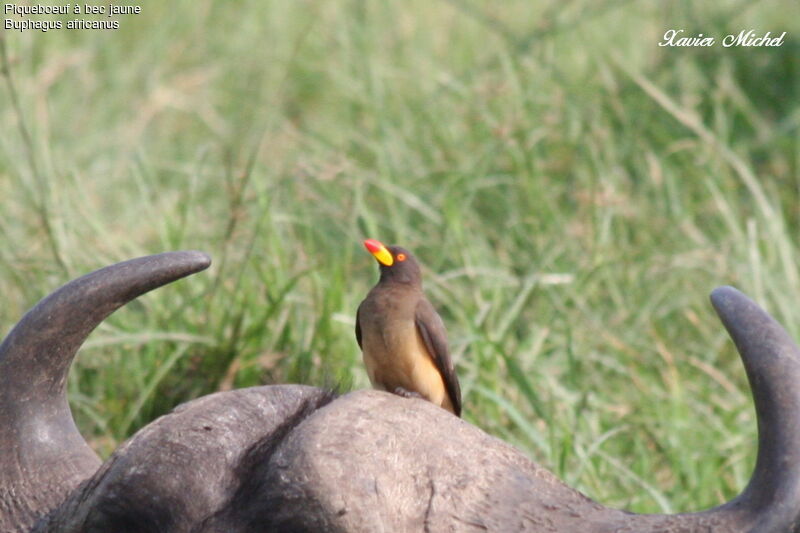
x: 573, y: 190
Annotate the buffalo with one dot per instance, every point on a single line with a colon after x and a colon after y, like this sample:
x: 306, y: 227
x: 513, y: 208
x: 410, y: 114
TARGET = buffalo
x: 299, y: 458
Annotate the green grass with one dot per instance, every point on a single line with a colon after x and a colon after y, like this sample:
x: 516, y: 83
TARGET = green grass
x: 573, y: 190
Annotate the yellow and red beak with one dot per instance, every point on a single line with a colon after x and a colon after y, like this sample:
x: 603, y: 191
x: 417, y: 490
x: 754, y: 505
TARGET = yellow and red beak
x: 381, y: 253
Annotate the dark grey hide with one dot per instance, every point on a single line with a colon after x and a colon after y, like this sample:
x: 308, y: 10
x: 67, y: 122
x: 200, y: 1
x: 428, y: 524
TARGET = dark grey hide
x: 295, y: 458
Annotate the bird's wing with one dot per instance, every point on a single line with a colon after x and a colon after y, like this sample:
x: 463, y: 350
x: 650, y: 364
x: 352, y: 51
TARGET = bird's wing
x: 431, y: 329
x: 358, y: 326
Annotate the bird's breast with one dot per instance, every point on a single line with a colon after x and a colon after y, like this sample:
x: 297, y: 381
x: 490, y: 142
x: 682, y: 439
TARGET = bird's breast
x: 396, y: 356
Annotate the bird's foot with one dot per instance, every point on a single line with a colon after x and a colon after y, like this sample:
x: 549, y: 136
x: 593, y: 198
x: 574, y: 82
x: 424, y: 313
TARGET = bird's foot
x: 405, y: 393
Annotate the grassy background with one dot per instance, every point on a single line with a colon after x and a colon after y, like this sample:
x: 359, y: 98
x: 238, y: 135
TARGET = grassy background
x: 573, y: 190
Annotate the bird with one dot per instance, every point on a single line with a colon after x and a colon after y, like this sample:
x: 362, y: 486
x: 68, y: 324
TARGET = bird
x: 402, y: 338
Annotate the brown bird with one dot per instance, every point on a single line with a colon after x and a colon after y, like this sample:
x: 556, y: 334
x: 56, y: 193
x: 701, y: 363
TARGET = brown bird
x: 402, y: 338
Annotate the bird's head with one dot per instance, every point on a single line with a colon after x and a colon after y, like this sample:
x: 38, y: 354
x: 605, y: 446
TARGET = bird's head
x: 397, y: 264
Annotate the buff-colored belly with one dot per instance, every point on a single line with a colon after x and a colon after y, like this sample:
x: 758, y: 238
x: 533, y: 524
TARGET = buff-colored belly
x: 400, y: 359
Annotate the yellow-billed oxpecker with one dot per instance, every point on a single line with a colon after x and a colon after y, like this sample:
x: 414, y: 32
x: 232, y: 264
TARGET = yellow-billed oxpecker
x: 401, y: 336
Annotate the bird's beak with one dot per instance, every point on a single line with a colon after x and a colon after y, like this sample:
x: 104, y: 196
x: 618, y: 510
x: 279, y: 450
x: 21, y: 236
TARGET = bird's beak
x: 381, y: 253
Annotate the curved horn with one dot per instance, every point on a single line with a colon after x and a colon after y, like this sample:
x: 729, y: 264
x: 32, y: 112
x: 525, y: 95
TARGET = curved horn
x: 42, y: 454
x: 772, y: 362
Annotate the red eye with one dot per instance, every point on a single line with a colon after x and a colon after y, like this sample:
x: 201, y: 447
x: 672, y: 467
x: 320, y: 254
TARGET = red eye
x: 401, y: 257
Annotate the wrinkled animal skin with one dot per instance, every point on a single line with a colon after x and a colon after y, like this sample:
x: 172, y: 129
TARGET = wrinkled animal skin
x: 296, y: 458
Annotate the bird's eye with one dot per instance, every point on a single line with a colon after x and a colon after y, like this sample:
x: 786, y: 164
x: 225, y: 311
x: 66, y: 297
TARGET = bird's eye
x: 401, y: 257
